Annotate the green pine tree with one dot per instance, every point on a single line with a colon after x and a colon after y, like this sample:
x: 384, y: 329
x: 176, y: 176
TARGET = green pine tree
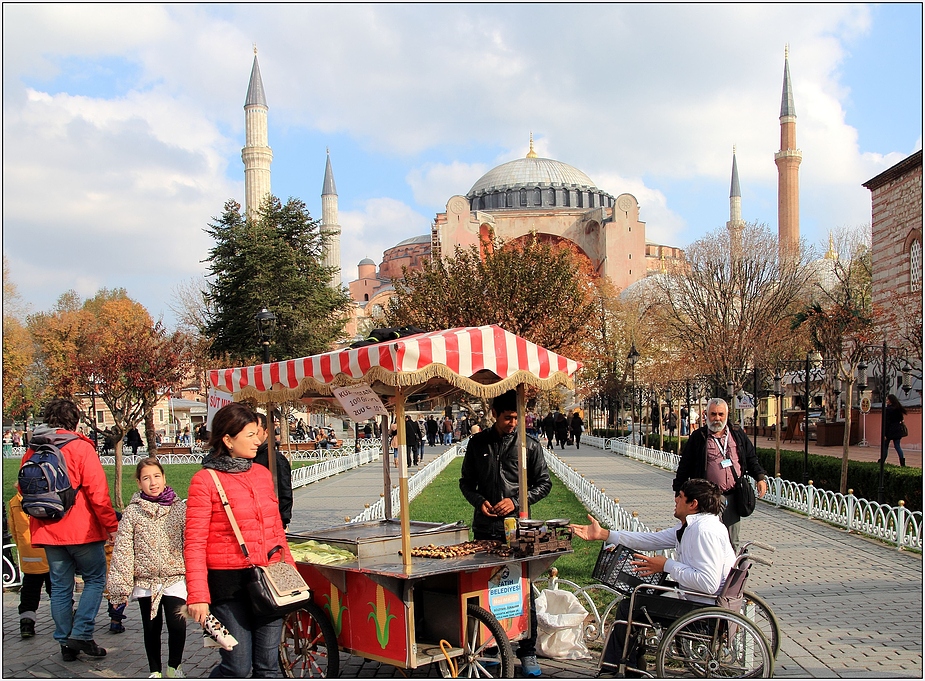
x: 273, y: 261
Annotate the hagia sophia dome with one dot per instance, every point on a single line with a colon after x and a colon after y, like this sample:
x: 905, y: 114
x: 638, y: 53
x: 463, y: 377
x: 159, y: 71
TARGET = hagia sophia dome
x: 544, y: 182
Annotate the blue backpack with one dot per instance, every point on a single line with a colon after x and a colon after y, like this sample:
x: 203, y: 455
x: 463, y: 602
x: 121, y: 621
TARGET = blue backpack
x: 44, y: 482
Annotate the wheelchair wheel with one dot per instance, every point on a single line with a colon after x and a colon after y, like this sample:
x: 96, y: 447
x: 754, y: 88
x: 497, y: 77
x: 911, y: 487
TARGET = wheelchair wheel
x: 759, y: 612
x: 714, y: 643
x: 308, y: 647
x: 483, y: 656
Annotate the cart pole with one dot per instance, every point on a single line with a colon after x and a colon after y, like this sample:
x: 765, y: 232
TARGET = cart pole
x: 403, y: 479
x: 522, y: 439
x: 386, y: 472
x: 271, y: 447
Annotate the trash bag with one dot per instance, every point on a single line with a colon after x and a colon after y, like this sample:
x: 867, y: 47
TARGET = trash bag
x: 560, y: 619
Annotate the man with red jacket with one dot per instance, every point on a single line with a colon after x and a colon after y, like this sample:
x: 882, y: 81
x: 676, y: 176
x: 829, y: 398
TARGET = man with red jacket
x: 76, y: 541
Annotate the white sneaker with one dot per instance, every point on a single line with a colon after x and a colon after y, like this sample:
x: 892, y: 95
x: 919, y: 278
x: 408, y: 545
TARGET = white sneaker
x: 175, y: 673
x: 155, y: 675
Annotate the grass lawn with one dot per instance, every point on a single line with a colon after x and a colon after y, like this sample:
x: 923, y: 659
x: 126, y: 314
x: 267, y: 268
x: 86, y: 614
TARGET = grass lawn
x: 443, y: 502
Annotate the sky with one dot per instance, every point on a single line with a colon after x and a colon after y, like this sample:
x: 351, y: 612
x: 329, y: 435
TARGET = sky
x: 123, y: 123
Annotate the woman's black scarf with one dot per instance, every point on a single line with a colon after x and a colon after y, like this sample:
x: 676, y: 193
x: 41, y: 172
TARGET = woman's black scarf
x: 225, y: 463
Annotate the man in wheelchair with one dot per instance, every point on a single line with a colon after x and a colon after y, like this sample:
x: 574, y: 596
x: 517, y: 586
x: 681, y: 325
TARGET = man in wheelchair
x: 704, y: 558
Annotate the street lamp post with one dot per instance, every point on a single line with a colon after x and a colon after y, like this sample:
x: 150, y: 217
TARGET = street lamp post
x: 633, y: 357
x: 266, y: 327
x: 883, y: 388
x: 813, y: 360
x: 778, y: 393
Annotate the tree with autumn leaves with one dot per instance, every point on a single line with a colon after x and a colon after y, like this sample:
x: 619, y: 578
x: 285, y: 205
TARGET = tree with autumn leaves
x: 109, y: 346
x: 531, y: 288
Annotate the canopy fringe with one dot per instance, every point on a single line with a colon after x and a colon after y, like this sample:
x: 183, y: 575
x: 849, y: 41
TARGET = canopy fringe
x: 309, y: 386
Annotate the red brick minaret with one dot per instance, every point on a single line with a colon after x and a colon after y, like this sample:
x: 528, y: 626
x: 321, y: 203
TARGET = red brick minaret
x: 788, y: 173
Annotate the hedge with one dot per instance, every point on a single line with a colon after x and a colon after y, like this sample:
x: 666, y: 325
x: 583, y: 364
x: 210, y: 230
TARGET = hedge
x: 825, y: 471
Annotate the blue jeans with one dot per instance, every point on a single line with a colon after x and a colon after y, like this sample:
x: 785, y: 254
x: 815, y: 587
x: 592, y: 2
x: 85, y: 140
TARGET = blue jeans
x: 258, y: 642
x: 63, y: 563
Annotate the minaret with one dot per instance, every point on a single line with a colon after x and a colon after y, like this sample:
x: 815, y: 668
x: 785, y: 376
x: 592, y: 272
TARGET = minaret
x: 329, y: 226
x: 735, y: 224
x: 788, y: 172
x: 256, y: 153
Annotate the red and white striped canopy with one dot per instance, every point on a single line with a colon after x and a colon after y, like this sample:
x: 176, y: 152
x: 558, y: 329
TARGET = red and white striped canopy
x: 484, y: 361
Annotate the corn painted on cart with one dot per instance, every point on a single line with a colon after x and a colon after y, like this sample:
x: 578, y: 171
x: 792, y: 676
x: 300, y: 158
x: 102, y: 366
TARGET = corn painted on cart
x: 460, y: 612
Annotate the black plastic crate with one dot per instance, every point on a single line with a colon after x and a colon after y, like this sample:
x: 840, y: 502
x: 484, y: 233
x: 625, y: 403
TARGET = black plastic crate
x: 613, y: 569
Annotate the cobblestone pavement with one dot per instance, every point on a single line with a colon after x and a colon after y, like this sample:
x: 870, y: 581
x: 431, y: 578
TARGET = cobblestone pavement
x: 848, y: 607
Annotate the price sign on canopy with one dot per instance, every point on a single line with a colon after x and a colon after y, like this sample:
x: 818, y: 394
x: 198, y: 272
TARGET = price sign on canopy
x: 217, y: 400
x: 359, y: 401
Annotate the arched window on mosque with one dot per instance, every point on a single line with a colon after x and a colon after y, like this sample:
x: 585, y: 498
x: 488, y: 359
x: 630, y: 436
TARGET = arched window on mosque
x: 537, y: 197
x: 510, y: 199
x: 580, y: 203
x: 552, y: 197
x: 565, y: 197
x: 915, y: 265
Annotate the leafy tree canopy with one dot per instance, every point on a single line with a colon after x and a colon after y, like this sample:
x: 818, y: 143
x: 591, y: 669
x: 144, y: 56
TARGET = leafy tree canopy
x: 273, y: 261
x: 532, y: 288
x: 110, y: 347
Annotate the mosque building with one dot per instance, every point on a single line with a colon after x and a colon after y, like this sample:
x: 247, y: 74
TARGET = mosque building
x: 524, y: 197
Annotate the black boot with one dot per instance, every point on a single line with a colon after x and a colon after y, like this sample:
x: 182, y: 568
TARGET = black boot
x: 68, y: 654
x: 26, y: 628
x: 88, y: 647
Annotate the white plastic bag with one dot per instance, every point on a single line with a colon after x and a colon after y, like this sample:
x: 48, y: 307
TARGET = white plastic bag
x: 560, y: 618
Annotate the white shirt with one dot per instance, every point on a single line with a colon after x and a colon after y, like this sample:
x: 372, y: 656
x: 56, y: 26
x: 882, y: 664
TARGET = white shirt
x: 704, y: 554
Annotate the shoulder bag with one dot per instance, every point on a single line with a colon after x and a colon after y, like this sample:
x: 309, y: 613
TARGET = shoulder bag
x: 744, y: 495
x: 275, y: 589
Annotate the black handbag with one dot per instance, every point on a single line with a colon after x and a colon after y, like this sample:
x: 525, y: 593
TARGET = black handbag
x: 743, y: 495
x: 275, y: 589
x: 903, y: 429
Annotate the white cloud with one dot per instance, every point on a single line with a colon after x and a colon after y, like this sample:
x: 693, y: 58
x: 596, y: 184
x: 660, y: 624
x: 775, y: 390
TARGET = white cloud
x: 434, y: 183
x: 381, y: 224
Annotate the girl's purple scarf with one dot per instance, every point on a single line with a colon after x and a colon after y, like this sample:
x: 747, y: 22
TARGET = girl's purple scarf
x: 165, y: 498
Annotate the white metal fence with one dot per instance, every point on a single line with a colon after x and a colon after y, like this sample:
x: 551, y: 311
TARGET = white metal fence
x: 892, y: 524
x: 416, y: 484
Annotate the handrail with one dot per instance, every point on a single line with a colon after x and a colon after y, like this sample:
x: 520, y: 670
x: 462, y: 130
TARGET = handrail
x: 416, y: 484
x: 891, y: 524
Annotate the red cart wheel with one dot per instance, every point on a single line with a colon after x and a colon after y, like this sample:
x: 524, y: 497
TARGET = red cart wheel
x: 308, y: 647
x: 488, y: 657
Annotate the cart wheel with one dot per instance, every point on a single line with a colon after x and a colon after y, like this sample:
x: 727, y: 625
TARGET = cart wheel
x: 760, y: 613
x: 714, y: 642
x: 308, y: 647
x: 488, y: 657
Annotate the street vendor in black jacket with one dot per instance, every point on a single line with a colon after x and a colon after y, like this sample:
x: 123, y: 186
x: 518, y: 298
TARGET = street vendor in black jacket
x: 711, y: 452
x: 490, y: 482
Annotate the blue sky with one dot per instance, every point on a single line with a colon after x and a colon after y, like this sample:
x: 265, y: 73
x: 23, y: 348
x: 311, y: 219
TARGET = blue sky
x: 123, y: 124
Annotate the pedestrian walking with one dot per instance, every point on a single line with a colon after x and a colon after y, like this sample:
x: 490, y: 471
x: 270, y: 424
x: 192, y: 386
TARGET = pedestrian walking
x: 895, y: 428
x: 720, y: 453
x: 76, y: 541
x: 576, y: 426
x: 217, y: 571
x: 147, y: 565
x: 34, y: 568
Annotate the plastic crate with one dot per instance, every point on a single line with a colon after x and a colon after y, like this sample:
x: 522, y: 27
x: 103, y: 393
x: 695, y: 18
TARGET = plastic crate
x: 613, y: 569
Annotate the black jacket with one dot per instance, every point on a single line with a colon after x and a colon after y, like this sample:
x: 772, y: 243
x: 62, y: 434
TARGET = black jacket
x: 491, y: 471
x: 283, y: 479
x: 693, y: 462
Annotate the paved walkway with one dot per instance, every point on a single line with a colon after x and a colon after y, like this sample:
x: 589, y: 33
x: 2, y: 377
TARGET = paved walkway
x: 848, y: 607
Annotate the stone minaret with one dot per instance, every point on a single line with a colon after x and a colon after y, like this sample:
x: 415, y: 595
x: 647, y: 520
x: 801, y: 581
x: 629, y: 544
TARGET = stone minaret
x: 735, y: 224
x: 256, y: 153
x: 329, y: 226
x: 788, y: 173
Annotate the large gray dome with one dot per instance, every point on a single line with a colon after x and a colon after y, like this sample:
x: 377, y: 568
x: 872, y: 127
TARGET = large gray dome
x: 531, y: 172
x: 536, y: 183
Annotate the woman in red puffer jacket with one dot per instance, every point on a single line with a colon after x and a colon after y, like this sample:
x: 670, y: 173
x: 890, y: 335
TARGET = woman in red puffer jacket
x: 217, y: 571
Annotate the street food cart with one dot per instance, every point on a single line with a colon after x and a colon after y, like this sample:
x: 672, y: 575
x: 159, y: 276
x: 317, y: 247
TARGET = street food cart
x: 404, y: 599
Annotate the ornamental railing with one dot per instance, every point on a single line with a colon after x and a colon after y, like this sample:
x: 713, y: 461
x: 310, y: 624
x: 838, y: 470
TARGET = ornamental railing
x: 337, y: 462
x: 416, y: 484
x: 892, y: 524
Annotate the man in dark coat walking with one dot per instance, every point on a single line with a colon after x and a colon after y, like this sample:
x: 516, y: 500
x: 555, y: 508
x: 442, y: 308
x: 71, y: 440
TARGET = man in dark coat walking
x: 712, y: 452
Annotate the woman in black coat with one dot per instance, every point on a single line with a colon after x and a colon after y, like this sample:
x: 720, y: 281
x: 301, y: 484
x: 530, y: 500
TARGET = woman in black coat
x: 894, y: 428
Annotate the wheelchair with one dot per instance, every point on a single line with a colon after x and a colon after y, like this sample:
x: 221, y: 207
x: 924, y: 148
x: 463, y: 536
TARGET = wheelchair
x: 733, y: 635
x: 694, y: 634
